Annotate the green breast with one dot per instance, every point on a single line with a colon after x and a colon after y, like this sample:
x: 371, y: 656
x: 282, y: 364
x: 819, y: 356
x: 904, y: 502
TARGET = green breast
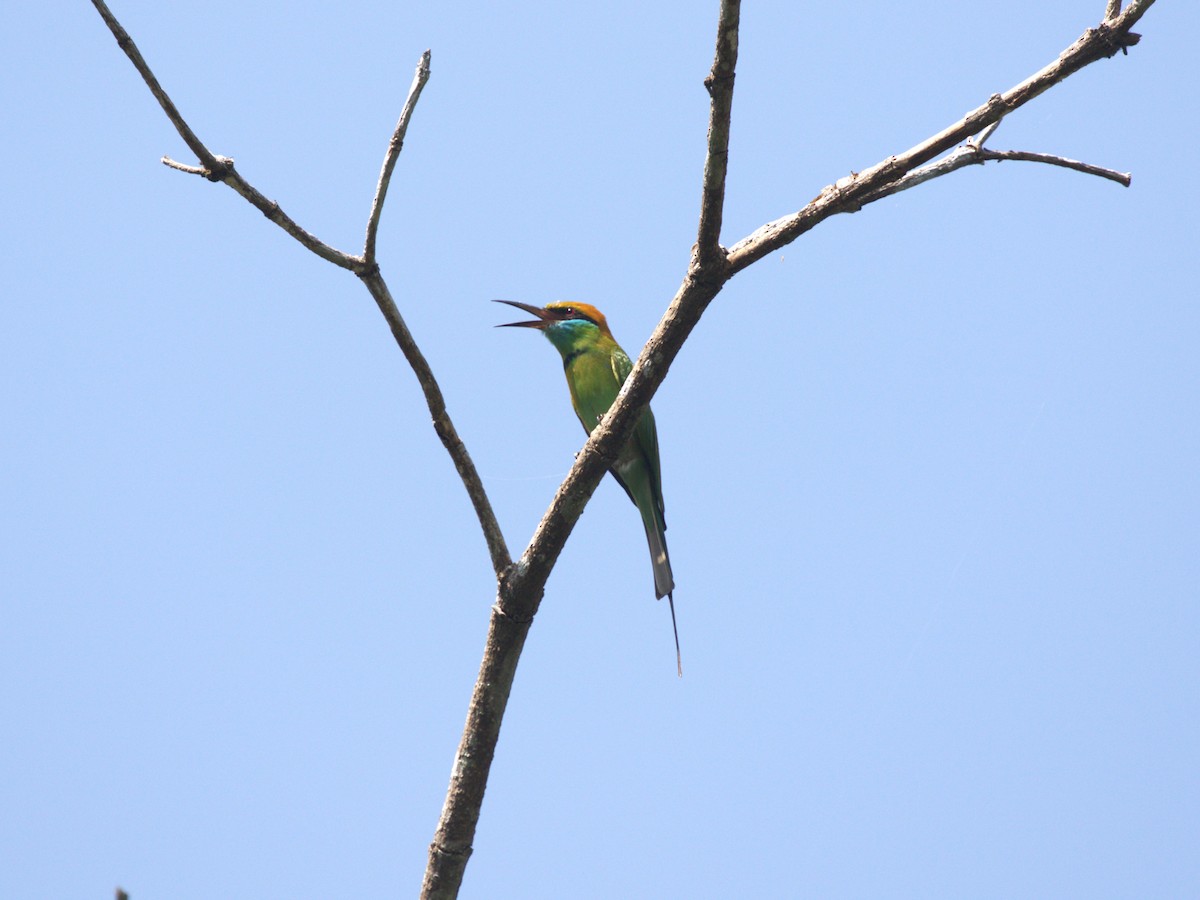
x: 593, y: 385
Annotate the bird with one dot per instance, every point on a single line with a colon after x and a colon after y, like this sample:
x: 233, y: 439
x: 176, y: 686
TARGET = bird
x: 596, y: 367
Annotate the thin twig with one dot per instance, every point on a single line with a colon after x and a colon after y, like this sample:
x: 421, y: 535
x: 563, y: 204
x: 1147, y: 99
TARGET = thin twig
x: 849, y: 194
x: 980, y: 139
x: 1122, y: 178
x: 184, y: 167
x: 395, y: 145
x: 1112, y: 10
x: 716, y: 161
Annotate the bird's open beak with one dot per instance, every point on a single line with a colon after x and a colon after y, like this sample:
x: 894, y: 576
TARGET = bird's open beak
x: 543, y: 318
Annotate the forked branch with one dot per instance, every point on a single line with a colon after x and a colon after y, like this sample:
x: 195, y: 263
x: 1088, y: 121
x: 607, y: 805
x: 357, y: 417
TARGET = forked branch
x: 221, y: 168
x: 710, y: 268
x: 850, y: 194
x: 706, y: 276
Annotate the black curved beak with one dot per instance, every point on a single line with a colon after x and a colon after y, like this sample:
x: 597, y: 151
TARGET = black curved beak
x: 544, y: 318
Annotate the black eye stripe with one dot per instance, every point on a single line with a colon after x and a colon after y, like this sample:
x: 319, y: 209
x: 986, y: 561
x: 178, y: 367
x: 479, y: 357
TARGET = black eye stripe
x: 569, y: 313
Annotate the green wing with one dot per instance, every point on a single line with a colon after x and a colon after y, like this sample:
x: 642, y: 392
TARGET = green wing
x: 621, y: 365
x: 645, y: 437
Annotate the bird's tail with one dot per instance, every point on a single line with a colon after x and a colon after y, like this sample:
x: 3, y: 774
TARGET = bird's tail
x: 678, y: 656
x: 664, y: 580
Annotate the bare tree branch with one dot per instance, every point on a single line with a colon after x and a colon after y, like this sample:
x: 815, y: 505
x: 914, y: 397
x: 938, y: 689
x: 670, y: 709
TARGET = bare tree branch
x: 220, y: 168
x: 272, y: 211
x: 501, y: 561
x: 849, y: 195
x: 522, y: 589
x: 393, y: 153
x: 451, y: 847
x: 716, y: 162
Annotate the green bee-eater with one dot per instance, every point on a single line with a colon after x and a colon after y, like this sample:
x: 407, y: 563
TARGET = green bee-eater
x: 596, y: 367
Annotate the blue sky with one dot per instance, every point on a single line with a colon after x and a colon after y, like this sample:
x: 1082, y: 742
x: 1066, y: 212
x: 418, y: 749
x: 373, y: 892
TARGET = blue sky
x: 930, y: 472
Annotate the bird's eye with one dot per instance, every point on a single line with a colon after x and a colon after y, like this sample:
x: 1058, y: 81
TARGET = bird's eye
x: 569, y: 311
